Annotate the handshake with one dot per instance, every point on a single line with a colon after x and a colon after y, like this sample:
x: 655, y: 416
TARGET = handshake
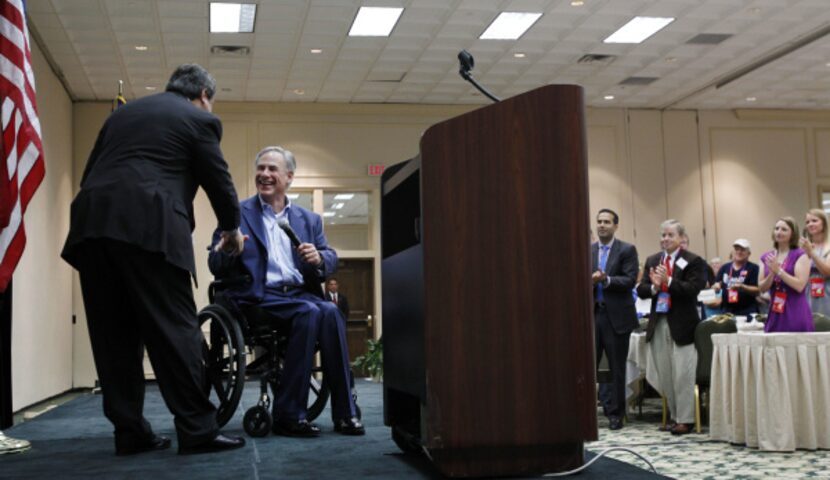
x: 231, y: 242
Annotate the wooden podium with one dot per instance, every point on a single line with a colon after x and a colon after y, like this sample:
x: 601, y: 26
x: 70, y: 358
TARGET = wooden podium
x: 487, y: 322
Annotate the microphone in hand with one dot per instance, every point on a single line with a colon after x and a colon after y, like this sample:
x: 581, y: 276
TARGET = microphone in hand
x: 292, y: 235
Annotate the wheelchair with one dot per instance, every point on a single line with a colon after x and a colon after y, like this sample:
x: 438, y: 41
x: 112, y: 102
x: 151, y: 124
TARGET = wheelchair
x: 231, y: 335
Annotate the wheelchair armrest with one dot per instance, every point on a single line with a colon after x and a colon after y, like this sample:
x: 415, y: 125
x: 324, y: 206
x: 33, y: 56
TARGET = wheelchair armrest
x: 220, y: 284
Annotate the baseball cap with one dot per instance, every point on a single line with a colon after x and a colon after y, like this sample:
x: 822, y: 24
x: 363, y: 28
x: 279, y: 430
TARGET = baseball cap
x: 742, y: 242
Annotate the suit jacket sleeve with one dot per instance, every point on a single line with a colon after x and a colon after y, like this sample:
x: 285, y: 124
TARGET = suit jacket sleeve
x: 629, y: 266
x: 328, y: 254
x: 211, y: 171
x: 692, y: 282
x: 644, y: 289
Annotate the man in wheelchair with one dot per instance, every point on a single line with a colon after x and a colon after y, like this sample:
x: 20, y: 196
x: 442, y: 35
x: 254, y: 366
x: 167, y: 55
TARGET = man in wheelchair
x: 287, y: 258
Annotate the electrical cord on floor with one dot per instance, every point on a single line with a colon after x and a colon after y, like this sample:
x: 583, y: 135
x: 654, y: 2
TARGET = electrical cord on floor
x: 599, y: 455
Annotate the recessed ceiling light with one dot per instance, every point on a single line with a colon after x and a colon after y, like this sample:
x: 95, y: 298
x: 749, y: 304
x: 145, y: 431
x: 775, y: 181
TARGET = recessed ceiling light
x: 328, y: 214
x: 751, y: 99
x: 232, y: 17
x: 338, y: 206
x: 292, y: 196
x: 316, y: 50
x: 519, y: 55
x: 141, y: 48
x: 149, y: 88
x: 577, y: 3
x: 375, y: 21
x: 299, y: 91
x: 344, y: 196
x: 608, y: 97
x: 638, y: 29
x: 510, y: 25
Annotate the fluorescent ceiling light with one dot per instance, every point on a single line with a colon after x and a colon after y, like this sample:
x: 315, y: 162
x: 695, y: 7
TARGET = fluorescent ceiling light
x: 510, y: 25
x: 638, y: 29
x: 232, y: 17
x: 344, y: 196
x: 292, y: 196
x: 328, y: 214
x: 375, y: 21
x: 338, y: 206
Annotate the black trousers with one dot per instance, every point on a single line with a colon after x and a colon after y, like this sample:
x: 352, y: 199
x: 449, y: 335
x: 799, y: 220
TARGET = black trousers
x: 615, y: 346
x: 6, y: 418
x: 134, y: 299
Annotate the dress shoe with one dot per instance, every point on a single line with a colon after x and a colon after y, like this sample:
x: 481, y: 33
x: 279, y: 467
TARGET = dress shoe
x: 301, y: 428
x: 349, y: 426
x: 681, y: 429
x: 615, y: 423
x: 221, y: 442
x: 667, y: 427
x: 156, y: 443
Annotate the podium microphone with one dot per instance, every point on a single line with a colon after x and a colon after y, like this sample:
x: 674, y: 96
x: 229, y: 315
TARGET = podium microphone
x: 292, y: 235
x: 466, y: 63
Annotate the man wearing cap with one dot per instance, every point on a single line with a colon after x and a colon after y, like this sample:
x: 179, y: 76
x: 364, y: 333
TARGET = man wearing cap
x: 738, y: 281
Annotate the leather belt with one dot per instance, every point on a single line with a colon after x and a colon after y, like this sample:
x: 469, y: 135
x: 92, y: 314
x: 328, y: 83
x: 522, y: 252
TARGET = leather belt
x: 284, y: 288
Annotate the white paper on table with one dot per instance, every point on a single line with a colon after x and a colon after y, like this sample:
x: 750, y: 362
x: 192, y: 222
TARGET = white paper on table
x: 707, y: 295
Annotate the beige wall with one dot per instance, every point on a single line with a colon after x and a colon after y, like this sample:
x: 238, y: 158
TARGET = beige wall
x: 725, y: 174
x: 42, y: 283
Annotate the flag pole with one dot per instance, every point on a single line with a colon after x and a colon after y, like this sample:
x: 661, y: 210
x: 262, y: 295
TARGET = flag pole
x: 119, y: 99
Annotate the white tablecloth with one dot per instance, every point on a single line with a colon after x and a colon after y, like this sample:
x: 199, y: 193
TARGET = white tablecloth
x: 639, y: 365
x: 771, y: 391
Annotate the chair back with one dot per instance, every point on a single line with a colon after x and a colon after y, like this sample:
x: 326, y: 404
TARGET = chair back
x: 703, y: 342
x: 822, y: 322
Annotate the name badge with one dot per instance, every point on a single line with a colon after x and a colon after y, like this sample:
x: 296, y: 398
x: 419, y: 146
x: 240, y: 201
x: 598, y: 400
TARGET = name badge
x: 817, y: 287
x: 732, y: 296
x: 681, y: 263
x: 778, y: 302
x: 663, y: 302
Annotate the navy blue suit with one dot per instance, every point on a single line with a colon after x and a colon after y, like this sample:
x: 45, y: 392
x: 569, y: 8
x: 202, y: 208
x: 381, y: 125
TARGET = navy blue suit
x: 313, y: 319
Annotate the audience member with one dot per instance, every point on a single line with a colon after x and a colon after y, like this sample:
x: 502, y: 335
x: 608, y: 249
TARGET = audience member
x: 818, y: 252
x: 712, y: 307
x: 614, y: 265
x: 286, y: 282
x: 785, y: 276
x: 675, y: 277
x: 738, y: 281
x: 334, y: 295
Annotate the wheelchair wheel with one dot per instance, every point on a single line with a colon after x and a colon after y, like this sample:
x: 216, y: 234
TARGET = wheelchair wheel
x: 257, y: 421
x: 223, y: 350
x: 318, y: 395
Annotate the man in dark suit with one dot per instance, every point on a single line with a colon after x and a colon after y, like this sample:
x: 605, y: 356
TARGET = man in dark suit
x: 674, y: 278
x: 130, y: 240
x: 285, y: 281
x: 334, y: 295
x: 615, y: 266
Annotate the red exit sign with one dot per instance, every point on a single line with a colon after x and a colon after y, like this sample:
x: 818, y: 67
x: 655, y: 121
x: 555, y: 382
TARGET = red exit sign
x: 376, y: 169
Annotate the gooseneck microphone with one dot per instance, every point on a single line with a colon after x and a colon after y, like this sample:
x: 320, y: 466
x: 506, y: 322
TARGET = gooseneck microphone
x: 466, y: 63
x: 292, y: 235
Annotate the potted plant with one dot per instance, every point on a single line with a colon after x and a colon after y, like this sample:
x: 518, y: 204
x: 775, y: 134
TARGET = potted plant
x: 372, y: 361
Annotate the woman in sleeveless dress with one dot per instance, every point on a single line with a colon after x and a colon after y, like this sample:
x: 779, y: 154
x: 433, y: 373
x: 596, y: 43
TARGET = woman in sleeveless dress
x: 786, y: 274
x: 816, y: 248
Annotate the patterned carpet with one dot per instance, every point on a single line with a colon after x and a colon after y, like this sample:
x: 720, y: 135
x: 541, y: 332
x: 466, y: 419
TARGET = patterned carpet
x: 695, y: 457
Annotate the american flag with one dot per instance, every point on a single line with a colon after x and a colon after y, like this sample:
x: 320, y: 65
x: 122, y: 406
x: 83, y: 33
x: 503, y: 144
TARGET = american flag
x: 21, y: 166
